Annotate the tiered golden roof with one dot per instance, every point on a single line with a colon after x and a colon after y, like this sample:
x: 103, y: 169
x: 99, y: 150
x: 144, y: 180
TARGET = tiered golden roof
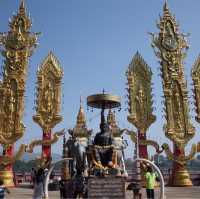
x: 81, y: 119
x: 80, y: 129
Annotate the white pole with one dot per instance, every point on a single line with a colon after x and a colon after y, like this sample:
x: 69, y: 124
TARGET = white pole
x: 46, y: 181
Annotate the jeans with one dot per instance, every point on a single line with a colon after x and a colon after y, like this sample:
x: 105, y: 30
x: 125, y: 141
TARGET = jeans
x: 150, y: 193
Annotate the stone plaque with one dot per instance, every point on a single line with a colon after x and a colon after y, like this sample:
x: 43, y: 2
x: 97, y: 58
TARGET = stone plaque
x: 106, y: 188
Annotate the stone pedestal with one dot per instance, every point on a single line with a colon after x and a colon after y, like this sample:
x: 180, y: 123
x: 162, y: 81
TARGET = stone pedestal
x: 106, y: 187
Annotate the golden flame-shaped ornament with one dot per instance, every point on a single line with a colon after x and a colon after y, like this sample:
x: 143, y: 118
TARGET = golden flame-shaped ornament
x: 140, y: 94
x: 48, y: 101
x: 17, y: 45
x: 170, y: 47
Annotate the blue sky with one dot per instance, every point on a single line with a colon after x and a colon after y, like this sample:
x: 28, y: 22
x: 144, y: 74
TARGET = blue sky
x: 95, y: 41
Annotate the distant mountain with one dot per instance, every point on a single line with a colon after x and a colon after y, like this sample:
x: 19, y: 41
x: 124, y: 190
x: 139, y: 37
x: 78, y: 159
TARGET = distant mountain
x: 32, y: 156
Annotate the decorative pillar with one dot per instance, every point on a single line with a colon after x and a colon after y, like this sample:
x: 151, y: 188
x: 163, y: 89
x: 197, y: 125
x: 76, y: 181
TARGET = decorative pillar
x: 49, y: 77
x: 17, y: 45
x: 46, y: 149
x: 140, y: 99
x: 170, y: 47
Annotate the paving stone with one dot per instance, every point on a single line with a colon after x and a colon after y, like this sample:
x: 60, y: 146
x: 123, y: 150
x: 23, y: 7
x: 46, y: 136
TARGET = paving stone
x: 171, y: 193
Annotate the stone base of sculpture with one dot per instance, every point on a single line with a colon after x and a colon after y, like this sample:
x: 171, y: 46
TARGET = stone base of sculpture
x: 108, y: 187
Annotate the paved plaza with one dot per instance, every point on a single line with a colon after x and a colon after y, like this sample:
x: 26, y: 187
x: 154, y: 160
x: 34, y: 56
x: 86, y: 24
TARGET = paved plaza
x: 171, y: 192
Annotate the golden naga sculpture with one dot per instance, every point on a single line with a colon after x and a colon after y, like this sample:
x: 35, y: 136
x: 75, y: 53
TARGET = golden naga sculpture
x: 48, y: 100
x: 29, y: 148
x: 140, y: 99
x: 133, y: 136
x: 170, y: 47
x: 17, y: 45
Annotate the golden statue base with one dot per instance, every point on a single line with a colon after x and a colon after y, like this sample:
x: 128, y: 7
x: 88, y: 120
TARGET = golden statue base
x: 7, y: 177
x: 180, y: 179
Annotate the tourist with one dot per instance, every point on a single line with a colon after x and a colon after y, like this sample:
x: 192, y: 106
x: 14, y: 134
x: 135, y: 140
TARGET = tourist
x: 66, y: 189
x: 33, y: 175
x: 46, y: 171
x: 3, y: 189
x: 38, y: 191
x: 150, y: 182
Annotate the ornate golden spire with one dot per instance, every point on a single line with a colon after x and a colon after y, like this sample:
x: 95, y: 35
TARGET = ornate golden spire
x: 17, y: 45
x: 166, y: 11
x: 21, y: 20
x: 81, y: 121
x: 22, y: 7
x: 80, y: 130
x: 166, y: 21
x: 170, y: 47
x: 165, y: 7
